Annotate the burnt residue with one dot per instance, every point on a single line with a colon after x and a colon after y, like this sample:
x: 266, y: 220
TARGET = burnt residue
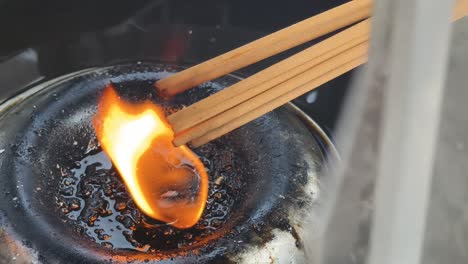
x: 66, y: 190
x: 93, y: 199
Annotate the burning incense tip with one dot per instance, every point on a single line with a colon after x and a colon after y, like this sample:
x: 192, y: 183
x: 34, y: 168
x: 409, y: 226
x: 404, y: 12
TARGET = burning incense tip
x: 166, y: 182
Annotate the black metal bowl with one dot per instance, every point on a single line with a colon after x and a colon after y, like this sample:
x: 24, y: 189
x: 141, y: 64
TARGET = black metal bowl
x: 61, y: 192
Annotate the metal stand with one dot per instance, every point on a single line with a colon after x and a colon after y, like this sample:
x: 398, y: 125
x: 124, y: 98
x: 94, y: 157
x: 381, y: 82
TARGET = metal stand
x: 388, y: 136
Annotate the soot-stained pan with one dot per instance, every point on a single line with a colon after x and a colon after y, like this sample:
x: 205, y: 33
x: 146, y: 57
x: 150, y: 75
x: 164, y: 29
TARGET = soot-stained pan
x: 64, y: 201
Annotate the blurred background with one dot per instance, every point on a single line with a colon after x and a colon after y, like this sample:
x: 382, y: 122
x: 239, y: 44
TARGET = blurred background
x: 49, y: 38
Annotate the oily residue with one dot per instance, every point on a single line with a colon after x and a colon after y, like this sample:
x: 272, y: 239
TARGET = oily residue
x: 94, y: 200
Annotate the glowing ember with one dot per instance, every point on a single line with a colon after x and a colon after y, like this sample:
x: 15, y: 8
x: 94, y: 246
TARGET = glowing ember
x: 167, y: 183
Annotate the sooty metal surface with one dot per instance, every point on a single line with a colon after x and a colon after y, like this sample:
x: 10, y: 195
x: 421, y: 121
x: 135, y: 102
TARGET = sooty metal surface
x: 64, y: 200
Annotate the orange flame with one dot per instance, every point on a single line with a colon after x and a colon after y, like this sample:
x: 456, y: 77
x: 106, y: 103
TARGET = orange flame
x: 166, y: 182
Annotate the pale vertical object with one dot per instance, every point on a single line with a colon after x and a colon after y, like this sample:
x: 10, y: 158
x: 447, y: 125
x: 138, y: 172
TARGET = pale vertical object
x: 419, y: 37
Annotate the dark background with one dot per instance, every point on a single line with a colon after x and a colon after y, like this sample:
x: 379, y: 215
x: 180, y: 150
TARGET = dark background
x: 44, y: 39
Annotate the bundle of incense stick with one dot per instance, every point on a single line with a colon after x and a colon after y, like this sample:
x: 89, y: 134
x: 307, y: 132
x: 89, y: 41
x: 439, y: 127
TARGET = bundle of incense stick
x: 259, y: 94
